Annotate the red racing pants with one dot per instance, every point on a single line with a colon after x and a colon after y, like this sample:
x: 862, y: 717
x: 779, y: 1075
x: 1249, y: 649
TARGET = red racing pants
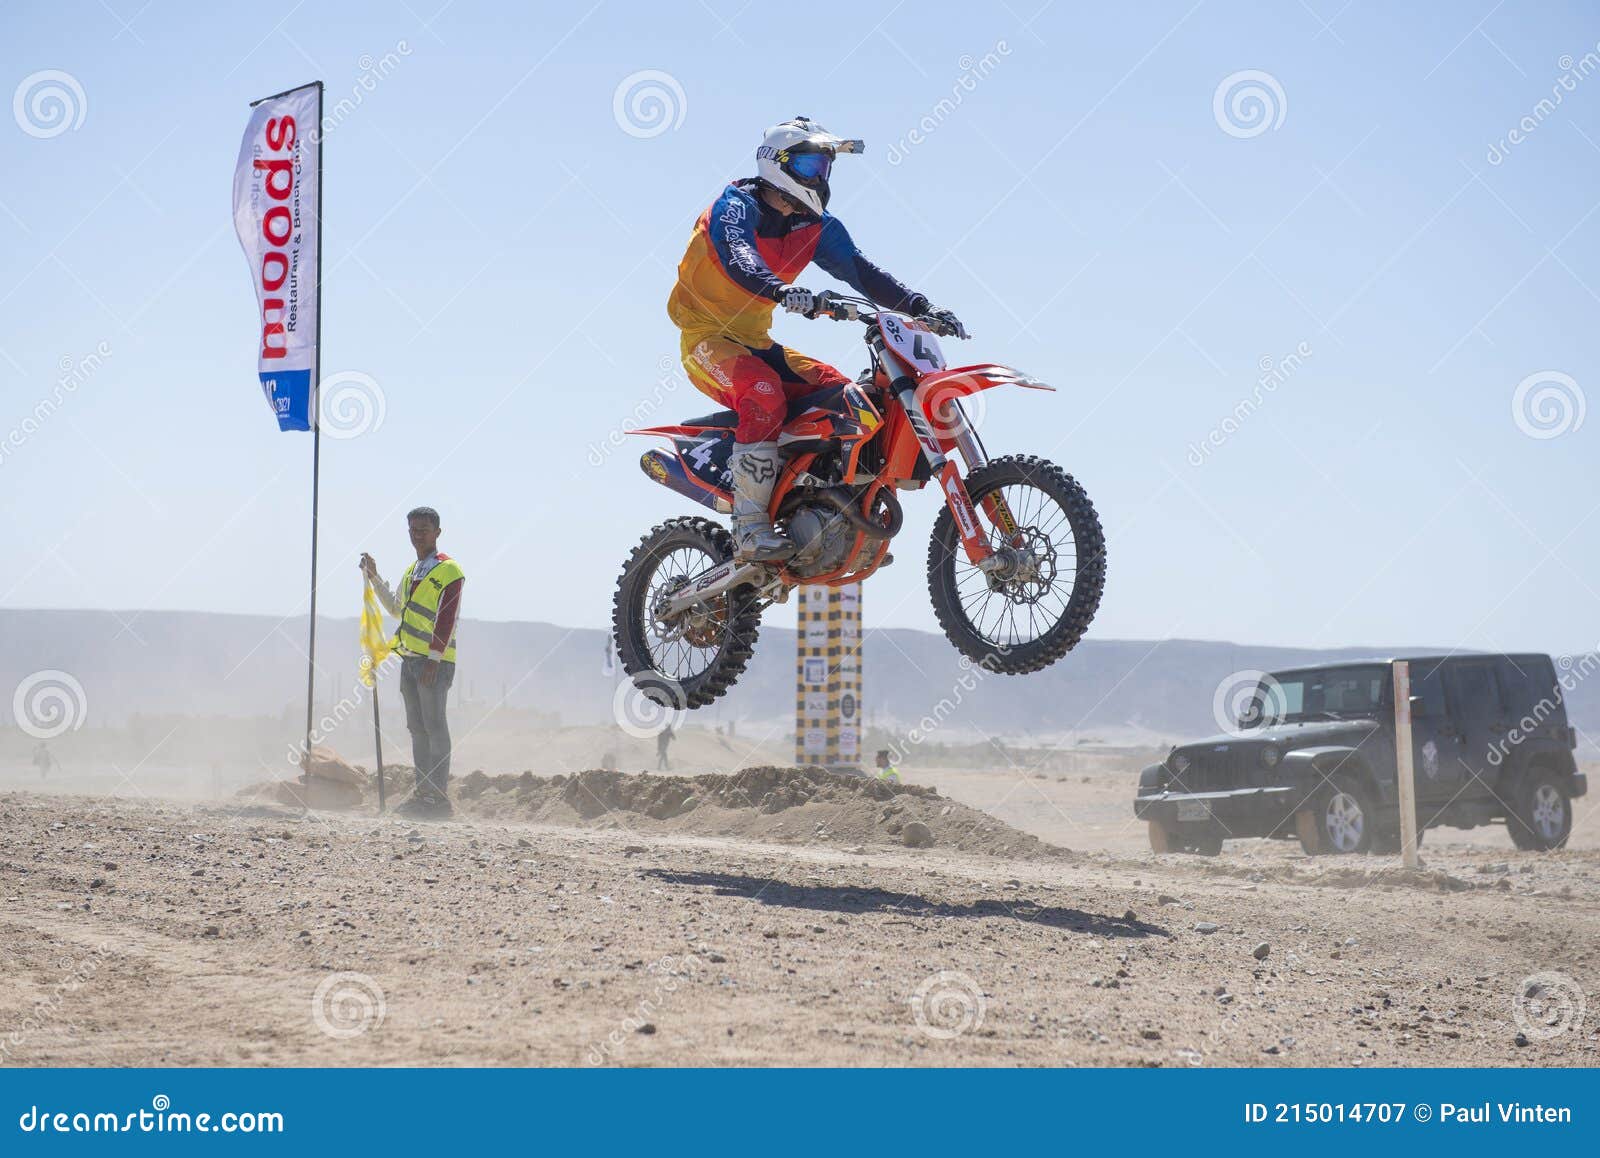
x: 758, y: 382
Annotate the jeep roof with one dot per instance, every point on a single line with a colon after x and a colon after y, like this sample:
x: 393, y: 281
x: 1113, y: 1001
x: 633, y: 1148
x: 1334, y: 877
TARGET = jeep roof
x: 1385, y: 661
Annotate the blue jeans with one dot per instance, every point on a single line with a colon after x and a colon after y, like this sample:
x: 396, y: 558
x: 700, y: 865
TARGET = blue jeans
x: 430, y: 734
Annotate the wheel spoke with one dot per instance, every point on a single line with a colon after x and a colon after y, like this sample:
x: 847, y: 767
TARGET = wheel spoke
x: 1028, y: 594
x: 671, y: 652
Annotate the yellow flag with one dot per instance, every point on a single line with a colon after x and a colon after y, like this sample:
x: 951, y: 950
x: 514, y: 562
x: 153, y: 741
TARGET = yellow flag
x: 374, y: 643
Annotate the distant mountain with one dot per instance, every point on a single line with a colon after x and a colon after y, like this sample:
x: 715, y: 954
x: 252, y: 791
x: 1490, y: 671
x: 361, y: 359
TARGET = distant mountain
x: 194, y: 663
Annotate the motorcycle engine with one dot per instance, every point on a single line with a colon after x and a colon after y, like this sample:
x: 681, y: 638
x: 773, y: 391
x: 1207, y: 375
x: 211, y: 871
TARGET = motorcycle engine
x: 823, y: 539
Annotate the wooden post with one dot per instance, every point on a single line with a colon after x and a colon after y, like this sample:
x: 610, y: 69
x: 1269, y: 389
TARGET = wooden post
x: 1405, y: 770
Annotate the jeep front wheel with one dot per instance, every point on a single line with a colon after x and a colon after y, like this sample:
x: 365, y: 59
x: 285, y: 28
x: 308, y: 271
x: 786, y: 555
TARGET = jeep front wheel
x: 1340, y: 820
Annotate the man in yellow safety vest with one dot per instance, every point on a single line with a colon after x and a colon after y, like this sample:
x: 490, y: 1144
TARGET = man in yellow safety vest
x: 886, y: 769
x: 427, y: 602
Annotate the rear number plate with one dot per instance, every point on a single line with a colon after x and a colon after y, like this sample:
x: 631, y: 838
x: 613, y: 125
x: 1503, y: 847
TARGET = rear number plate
x: 1193, y: 810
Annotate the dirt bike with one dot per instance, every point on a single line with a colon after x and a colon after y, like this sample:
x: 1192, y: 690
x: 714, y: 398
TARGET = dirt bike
x: 1016, y: 564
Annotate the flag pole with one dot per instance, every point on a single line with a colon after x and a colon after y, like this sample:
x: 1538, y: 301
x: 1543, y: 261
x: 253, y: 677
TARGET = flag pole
x: 316, y: 467
x: 377, y: 739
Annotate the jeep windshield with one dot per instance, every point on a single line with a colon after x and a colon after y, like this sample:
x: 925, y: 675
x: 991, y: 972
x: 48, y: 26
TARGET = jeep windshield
x: 1319, y: 694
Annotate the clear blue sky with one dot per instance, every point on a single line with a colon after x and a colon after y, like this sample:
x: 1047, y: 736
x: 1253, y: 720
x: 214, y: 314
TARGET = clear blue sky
x: 499, y: 253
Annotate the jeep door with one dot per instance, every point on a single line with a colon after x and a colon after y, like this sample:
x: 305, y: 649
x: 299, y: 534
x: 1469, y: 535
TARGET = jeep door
x: 1436, y: 750
x: 1478, y: 719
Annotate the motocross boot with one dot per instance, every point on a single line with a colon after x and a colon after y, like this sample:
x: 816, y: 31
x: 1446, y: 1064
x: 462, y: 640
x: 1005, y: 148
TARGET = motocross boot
x: 754, y: 467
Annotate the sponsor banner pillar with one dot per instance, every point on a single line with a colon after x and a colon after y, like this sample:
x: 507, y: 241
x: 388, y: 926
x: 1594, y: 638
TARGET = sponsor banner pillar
x: 848, y: 703
x: 828, y: 708
x: 811, y: 677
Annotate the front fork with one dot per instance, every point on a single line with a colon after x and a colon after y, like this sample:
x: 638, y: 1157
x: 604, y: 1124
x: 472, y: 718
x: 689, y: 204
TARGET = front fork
x: 973, y: 539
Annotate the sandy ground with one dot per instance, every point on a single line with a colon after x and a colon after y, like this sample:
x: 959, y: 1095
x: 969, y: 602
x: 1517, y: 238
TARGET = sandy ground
x: 793, y: 930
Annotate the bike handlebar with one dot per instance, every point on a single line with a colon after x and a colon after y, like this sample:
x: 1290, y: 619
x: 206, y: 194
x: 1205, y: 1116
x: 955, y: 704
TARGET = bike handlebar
x: 847, y: 309
x: 838, y: 307
x: 942, y: 328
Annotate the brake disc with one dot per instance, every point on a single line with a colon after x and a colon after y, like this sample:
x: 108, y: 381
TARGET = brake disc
x: 1030, y: 573
x: 667, y: 628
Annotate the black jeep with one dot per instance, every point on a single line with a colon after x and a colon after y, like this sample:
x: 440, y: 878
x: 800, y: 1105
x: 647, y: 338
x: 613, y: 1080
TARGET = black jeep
x: 1313, y: 756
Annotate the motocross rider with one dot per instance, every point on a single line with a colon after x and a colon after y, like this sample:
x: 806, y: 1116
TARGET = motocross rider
x: 746, y: 250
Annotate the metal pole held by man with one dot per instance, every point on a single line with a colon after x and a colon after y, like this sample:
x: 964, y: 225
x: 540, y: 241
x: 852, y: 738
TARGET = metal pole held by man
x: 375, y: 652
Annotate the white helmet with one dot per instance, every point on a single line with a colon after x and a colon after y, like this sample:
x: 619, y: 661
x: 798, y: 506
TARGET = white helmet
x: 796, y: 157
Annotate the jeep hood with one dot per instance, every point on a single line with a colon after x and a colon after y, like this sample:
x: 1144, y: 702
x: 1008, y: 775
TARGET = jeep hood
x: 1308, y: 734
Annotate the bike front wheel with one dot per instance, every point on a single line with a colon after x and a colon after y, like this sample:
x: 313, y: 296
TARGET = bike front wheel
x: 1025, y: 620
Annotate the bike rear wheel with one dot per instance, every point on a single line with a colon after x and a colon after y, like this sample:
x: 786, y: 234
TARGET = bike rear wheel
x: 1027, y: 622
x: 689, y: 661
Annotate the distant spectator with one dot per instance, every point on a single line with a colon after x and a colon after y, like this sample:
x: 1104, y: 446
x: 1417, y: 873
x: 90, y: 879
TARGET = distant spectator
x: 663, y: 739
x: 886, y: 770
x: 44, y: 759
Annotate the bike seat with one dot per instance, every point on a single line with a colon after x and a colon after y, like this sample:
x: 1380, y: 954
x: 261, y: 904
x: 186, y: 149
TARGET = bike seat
x: 827, y: 397
x: 722, y: 419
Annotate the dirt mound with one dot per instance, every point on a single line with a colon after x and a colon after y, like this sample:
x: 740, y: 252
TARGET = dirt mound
x: 800, y: 805
x: 330, y: 782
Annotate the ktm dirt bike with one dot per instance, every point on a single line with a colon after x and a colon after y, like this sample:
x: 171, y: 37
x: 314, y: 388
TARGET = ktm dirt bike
x: 1016, y: 563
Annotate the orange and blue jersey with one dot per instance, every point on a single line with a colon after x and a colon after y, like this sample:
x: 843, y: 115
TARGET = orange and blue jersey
x: 744, y: 254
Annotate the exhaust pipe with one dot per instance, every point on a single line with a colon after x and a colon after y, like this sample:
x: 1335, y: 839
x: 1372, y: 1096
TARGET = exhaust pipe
x: 848, y: 507
x: 667, y: 469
